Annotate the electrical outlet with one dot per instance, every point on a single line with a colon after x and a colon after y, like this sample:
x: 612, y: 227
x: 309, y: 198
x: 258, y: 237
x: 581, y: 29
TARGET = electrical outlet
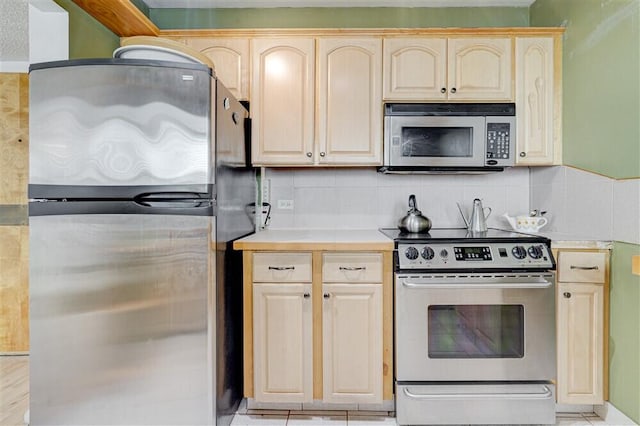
x: 285, y: 204
x: 266, y: 190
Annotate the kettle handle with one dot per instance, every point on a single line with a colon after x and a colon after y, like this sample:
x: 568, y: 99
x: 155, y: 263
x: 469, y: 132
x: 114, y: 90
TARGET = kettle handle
x: 412, y: 202
x: 486, y: 216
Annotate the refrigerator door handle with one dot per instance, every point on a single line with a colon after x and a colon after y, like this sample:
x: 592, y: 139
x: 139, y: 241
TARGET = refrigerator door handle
x: 171, y: 196
x: 179, y: 199
x: 170, y: 200
x: 177, y: 204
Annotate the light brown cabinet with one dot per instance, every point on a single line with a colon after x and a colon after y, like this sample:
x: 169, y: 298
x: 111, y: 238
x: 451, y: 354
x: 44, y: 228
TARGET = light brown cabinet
x: 310, y: 112
x: 582, y: 311
x: 283, y: 358
x: 316, y: 95
x: 538, y: 102
x: 283, y: 101
x: 282, y: 327
x: 349, y: 119
x: 352, y: 327
x: 314, y: 327
x: 448, y: 69
x: 231, y: 59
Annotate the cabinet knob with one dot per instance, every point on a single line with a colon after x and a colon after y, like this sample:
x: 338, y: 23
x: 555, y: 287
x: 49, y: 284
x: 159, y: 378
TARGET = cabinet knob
x: 306, y: 295
x: 523, y: 154
x: 443, y: 90
x: 326, y: 295
x: 567, y: 295
x: 322, y: 154
x: 309, y: 154
x: 453, y: 90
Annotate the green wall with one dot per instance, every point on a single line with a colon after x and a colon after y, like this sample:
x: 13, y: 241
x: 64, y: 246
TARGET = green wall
x: 601, y: 133
x: 624, y: 341
x: 375, y: 17
x: 88, y: 38
x: 601, y: 87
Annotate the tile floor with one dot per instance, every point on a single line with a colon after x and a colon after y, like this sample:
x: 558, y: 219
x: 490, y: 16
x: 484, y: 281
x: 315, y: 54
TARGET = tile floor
x: 349, y: 418
x: 14, y: 401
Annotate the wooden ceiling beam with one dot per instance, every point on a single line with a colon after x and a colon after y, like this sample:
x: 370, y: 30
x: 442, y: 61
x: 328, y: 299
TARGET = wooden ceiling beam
x: 120, y: 16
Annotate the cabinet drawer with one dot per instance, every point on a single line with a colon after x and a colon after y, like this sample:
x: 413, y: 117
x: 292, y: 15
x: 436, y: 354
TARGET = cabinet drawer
x: 282, y: 267
x: 352, y: 267
x: 581, y: 267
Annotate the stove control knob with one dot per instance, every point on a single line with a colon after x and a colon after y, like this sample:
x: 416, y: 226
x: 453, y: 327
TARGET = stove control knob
x: 411, y: 253
x: 427, y: 253
x: 519, y: 252
x: 444, y: 253
x: 535, y: 252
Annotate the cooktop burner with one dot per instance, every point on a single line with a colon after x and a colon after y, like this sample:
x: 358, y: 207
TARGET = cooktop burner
x: 459, y: 234
x: 446, y: 249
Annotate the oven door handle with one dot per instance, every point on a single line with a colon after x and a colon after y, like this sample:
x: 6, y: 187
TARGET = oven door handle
x: 545, y: 394
x: 477, y: 285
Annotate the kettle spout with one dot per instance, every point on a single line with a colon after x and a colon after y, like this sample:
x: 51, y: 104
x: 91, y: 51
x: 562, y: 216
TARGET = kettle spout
x: 464, y: 218
x: 511, y: 220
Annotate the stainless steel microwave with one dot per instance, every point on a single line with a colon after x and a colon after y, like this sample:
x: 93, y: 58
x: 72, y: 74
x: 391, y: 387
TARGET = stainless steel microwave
x: 448, y: 137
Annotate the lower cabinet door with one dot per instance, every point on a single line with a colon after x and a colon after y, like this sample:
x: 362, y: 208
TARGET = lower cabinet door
x: 352, y: 343
x: 580, y: 343
x: 283, y: 342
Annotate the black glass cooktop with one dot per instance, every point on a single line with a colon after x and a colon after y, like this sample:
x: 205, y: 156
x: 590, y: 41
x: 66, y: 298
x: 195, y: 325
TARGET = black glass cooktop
x: 460, y: 234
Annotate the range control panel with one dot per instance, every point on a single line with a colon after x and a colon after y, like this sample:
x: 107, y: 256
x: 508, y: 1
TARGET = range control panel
x: 508, y: 255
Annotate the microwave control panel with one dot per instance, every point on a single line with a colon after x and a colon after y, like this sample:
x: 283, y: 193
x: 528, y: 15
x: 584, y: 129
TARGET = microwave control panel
x: 498, y: 141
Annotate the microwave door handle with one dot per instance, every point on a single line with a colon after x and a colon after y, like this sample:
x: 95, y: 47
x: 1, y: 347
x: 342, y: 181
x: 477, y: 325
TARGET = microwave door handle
x: 471, y: 285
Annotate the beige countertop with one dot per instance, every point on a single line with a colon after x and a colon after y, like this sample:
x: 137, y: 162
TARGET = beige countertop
x: 568, y: 241
x: 315, y: 239
x: 372, y: 239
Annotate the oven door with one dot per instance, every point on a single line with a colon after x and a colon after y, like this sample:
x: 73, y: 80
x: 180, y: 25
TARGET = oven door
x: 475, y: 327
x: 435, y: 141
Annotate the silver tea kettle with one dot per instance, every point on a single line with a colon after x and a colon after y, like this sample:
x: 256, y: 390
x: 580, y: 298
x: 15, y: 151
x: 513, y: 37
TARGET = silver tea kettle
x: 478, y: 222
x: 414, y: 221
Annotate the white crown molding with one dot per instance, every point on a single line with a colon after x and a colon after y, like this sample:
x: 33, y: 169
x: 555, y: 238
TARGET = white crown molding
x: 215, y: 4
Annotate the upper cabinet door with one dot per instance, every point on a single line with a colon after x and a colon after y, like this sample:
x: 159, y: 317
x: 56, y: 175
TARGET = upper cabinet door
x: 535, y: 102
x: 480, y: 69
x: 415, y: 68
x: 282, y: 101
x: 231, y: 59
x: 349, y: 117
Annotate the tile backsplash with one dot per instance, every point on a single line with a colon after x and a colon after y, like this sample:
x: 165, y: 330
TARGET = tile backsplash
x: 362, y: 198
x: 587, y: 204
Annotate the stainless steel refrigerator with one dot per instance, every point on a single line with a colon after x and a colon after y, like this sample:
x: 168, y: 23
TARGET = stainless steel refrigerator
x: 138, y: 185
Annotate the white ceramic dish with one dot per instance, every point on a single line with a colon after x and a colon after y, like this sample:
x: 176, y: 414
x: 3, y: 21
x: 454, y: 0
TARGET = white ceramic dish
x: 525, y: 223
x: 154, y: 53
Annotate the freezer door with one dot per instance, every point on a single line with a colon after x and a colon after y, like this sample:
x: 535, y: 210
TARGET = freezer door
x: 119, y: 122
x: 122, y: 320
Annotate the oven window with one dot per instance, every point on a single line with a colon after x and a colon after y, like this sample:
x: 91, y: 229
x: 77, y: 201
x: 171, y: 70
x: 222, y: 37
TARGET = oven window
x: 437, y: 141
x: 476, y: 331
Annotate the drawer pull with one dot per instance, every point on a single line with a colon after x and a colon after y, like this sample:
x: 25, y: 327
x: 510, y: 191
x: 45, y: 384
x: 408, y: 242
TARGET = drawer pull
x: 306, y: 295
x: 282, y: 268
x: 353, y: 268
x: 326, y: 295
x: 567, y: 295
x: 585, y: 268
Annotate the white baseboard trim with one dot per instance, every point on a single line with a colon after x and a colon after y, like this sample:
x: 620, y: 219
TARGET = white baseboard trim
x: 611, y: 415
x: 574, y: 408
